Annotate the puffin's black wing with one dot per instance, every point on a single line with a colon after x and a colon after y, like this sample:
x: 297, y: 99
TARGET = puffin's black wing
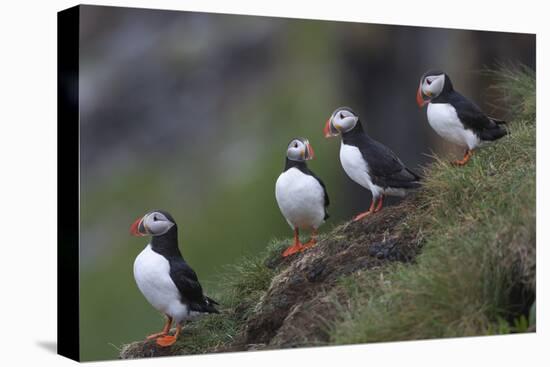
x: 385, y: 168
x: 471, y: 116
x: 326, y: 198
x: 190, y: 289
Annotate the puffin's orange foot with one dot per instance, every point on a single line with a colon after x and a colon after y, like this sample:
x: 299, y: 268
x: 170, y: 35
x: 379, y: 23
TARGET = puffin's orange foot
x: 309, y: 244
x: 156, y: 335
x: 166, y: 341
x: 464, y: 160
x: 459, y: 163
x: 361, y: 215
x: 293, y: 249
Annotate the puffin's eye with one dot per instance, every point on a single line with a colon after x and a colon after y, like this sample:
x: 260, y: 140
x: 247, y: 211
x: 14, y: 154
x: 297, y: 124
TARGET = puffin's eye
x: 155, y: 218
x: 428, y: 81
x: 341, y: 115
x: 295, y: 145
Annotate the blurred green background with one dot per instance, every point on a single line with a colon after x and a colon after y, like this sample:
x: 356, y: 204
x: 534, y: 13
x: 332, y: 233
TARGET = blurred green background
x: 192, y: 113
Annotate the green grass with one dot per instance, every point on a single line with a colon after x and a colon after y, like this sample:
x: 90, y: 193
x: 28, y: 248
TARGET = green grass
x: 477, y: 267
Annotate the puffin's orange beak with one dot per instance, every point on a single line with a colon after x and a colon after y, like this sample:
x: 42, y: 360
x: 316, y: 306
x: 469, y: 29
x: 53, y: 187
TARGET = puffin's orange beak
x: 328, y: 131
x: 138, y: 229
x: 310, y: 152
x: 419, y: 99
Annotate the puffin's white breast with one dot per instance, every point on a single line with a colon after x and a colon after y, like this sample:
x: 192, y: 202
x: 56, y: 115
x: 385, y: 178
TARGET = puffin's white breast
x: 357, y: 168
x: 152, y: 274
x: 443, y: 118
x: 301, y: 199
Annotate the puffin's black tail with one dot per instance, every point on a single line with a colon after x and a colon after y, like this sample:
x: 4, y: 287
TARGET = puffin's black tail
x: 495, y: 132
x: 417, y: 177
x: 207, y: 306
x: 210, y: 300
x: 210, y: 305
x: 497, y: 121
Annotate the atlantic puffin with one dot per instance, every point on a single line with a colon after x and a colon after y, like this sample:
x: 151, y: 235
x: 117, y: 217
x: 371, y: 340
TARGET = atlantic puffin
x: 368, y: 162
x: 164, y: 278
x: 454, y: 117
x: 301, y: 195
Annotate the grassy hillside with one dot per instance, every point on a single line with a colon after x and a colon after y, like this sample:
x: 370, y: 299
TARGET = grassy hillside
x: 455, y: 259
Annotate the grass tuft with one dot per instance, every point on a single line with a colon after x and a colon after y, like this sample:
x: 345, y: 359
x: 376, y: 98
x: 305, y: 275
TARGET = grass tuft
x: 516, y: 85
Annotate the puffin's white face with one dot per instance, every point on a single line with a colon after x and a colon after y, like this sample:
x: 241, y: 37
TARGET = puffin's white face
x: 153, y: 223
x: 300, y: 150
x: 341, y: 121
x: 430, y: 86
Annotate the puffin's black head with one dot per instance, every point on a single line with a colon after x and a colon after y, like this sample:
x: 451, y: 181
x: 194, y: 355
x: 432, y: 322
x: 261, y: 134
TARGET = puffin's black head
x: 342, y: 120
x: 154, y: 223
x: 432, y: 84
x: 299, y: 150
